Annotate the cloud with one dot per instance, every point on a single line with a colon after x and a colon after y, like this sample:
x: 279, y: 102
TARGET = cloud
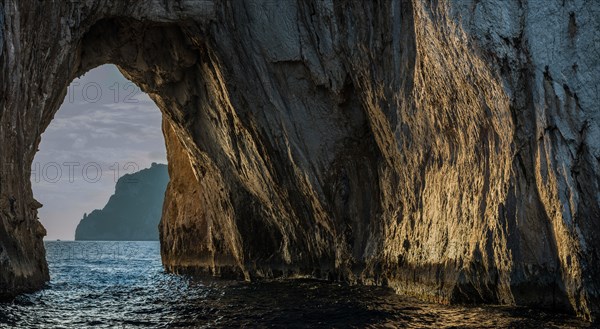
x: 80, y: 143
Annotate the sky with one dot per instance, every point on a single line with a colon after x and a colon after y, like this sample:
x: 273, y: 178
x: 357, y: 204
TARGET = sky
x: 104, y: 123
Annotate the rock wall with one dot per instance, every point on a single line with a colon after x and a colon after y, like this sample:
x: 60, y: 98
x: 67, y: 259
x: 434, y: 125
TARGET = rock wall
x: 448, y: 149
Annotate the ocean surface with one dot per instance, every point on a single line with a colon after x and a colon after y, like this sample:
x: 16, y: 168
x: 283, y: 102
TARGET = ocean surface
x: 123, y: 285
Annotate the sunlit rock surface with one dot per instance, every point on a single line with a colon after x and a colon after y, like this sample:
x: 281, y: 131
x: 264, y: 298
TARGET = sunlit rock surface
x: 449, y: 149
x: 132, y: 212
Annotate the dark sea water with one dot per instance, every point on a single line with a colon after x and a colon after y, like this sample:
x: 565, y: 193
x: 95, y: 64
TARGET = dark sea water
x: 123, y: 285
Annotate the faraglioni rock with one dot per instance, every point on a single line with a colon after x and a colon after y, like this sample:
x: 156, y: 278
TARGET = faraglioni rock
x: 448, y: 149
x: 133, y: 212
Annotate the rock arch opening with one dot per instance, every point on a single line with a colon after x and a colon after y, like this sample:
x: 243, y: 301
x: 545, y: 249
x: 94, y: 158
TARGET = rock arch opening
x: 106, y: 128
x: 180, y: 75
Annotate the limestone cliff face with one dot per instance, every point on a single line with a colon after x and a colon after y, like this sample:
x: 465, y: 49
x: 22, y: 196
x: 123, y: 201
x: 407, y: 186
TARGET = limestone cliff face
x: 449, y: 149
x: 133, y: 212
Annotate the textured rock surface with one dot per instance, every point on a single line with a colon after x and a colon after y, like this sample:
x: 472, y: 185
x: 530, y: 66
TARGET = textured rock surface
x: 448, y: 149
x: 133, y: 212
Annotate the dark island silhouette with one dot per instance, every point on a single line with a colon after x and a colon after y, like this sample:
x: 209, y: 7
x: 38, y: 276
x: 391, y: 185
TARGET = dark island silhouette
x: 132, y: 212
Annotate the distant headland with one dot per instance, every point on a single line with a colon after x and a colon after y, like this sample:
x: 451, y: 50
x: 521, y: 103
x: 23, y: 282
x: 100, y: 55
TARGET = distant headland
x: 132, y: 212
